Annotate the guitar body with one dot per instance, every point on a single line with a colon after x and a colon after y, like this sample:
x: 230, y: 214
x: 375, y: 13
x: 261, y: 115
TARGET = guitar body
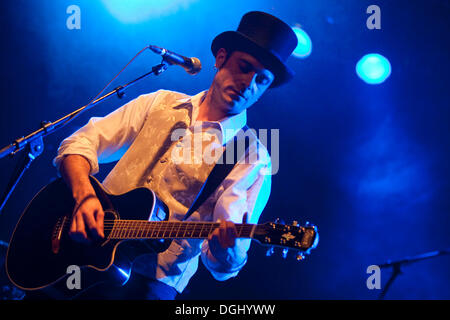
x: 40, y: 250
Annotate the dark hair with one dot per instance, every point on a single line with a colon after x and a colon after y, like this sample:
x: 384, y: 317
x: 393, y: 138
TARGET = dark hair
x: 229, y: 53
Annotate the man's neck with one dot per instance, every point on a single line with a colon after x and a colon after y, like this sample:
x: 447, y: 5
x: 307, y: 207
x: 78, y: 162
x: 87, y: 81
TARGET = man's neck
x: 209, y: 110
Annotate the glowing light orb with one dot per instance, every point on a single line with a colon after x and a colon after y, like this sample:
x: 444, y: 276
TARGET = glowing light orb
x: 373, y: 68
x: 304, y: 46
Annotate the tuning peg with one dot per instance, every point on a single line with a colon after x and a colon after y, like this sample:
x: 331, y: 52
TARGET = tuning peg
x: 270, y: 252
x: 300, y: 256
x: 285, y: 252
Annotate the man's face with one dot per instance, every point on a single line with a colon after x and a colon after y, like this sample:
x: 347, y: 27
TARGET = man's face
x: 240, y: 81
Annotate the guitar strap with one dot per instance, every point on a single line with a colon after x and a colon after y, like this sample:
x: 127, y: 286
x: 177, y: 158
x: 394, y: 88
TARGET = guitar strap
x: 220, y: 171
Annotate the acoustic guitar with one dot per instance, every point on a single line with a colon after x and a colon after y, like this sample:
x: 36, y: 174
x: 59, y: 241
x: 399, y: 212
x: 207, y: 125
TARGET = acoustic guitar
x: 40, y: 250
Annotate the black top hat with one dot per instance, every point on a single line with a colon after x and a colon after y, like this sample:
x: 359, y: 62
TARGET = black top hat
x: 265, y: 37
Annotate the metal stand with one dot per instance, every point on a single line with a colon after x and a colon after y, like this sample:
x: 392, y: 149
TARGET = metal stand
x: 34, y: 144
x: 396, y: 266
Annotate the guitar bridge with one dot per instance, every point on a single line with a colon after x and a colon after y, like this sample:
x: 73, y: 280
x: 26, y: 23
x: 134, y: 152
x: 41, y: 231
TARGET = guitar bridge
x: 57, y: 233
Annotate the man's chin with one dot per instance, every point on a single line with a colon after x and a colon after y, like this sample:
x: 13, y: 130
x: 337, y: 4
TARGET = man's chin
x: 237, y: 108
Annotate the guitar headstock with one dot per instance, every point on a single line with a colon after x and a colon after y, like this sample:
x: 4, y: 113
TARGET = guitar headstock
x: 300, y: 238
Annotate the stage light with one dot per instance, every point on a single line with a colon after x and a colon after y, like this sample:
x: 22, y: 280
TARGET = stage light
x: 124, y: 274
x: 304, y: 46
x: 135, y: 11
x: 373, y: 68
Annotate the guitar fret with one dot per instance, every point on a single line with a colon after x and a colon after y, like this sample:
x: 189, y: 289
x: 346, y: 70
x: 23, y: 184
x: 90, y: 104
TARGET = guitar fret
x: 179, y: 229
x: 166, y: 231
x: 121, y: 229
x: 113, y: 230
x: 136, y: 231
x: 145, y: 229
x: 131, y: 234
x: 139, y: 230
x: 159, y: 231
x: 188, y: 227
x: 125, y: 230
x: 201, y: 229
x: 153, y: 230
x: 184, y: 234
x: 172, y: 230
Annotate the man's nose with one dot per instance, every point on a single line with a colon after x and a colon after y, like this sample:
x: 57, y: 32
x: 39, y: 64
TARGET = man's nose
x: 249, y: 83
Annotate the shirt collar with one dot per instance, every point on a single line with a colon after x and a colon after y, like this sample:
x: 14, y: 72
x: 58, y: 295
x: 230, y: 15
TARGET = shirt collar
x: 229, y: 126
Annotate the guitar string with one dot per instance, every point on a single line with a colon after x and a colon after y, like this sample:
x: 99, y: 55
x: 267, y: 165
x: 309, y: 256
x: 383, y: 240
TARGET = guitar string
x: 156, y: 227
x: 126, y: 226
x: 160, y: 224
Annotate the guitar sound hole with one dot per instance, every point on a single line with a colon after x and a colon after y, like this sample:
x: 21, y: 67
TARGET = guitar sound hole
x: 108, y: 225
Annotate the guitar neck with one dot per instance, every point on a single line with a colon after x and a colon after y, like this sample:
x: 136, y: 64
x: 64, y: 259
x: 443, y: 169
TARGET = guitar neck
x: 138, y: 229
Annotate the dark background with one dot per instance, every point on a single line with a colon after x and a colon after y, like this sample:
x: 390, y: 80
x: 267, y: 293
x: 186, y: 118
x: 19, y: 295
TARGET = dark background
x: 368, y: 164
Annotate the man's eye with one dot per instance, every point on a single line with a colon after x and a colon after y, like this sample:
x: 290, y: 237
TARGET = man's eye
x: 262, y: 79
x: 246, y: 68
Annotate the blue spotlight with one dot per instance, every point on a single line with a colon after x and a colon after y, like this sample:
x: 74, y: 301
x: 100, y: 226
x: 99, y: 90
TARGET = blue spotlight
x: 373, y: 68
x: 304, y: 46
x: 134, y: 11
x: 122, y: 274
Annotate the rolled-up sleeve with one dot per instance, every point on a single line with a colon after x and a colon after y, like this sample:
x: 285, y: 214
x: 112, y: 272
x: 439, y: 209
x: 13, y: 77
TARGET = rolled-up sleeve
x: 245, y: 190
x: 106, y: 139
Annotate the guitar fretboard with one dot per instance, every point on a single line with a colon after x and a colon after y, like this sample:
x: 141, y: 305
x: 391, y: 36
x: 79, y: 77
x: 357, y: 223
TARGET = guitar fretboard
x: 138, y: 229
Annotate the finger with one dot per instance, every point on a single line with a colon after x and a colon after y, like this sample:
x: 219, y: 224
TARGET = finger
x: 91, y: 224
x: 99, y: 219
x: 223, y: 237
x: 213, y: 240
x: 231, y: 233
x: 73, y: 225
x: 80, y: 233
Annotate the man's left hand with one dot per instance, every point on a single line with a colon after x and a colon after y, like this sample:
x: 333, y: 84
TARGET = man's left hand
x: 224, y: 236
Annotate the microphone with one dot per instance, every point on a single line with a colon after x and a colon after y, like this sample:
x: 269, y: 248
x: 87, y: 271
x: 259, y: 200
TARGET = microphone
x: 191, y: 65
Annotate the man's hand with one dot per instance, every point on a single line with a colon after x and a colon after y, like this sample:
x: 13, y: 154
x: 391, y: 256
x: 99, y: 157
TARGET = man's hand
x: 87, y: 221
x: 224, y: 236
x: 87, y: 218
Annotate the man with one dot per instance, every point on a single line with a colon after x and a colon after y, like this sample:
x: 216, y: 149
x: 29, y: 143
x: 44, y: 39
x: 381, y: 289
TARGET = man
x: 140, y: 134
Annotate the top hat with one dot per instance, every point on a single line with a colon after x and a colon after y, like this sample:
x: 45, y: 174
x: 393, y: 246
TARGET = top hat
x: 265, y: 37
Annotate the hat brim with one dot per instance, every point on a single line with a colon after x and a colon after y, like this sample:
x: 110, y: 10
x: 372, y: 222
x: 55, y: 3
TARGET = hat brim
x: 238, y: 41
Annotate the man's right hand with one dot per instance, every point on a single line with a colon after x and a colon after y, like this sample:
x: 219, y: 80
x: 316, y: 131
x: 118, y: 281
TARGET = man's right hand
x: 87, y: 221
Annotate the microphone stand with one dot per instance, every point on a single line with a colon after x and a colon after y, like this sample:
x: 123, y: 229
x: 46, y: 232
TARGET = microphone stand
x: 396, y: 266
x: 34, y: 144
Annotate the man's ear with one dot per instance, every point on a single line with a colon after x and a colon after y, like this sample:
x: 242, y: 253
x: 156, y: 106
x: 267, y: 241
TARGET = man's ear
x: 221, y: 57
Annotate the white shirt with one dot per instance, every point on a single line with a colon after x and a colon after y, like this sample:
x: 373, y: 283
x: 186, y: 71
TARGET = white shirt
x: 141, y: 135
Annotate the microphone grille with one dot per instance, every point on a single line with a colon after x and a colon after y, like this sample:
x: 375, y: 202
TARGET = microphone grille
x: 196, y: 66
